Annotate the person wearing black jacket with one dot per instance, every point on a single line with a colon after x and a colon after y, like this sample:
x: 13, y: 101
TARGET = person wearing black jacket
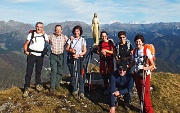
x: 121, y: 84
x: 123, y: 50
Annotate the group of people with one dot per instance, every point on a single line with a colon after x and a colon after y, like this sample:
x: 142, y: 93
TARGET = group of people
x: 119, y: 83
x: 116, y: 82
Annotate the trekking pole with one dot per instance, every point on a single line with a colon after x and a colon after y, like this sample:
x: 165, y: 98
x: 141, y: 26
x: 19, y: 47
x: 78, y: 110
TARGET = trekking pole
x: 143, y: 90
x: 76, y: 76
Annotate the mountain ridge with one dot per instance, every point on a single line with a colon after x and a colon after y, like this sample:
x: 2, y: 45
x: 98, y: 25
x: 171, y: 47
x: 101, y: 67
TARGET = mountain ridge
x: 164, y: 36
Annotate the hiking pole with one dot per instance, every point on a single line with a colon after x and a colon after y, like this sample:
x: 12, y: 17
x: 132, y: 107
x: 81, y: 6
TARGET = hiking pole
x: 76, y: 76
x: 143, y: 90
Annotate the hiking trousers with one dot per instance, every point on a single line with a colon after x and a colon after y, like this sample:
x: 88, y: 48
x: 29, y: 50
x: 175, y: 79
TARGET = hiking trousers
x: 147, y: 100
x: 31, y: 60
x: 72, y: 70
x: 56, y: 63
x: 106, y: 69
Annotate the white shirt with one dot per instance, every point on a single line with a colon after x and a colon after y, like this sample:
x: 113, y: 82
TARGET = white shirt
x: 139, y: 53
x: 77, y: 44
x: 37, y: 42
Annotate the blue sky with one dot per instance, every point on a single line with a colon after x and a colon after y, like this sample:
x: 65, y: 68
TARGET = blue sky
x: 124, y: 11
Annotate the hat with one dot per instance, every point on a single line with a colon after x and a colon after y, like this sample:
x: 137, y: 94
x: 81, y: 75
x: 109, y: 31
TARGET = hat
x: 122, y: 64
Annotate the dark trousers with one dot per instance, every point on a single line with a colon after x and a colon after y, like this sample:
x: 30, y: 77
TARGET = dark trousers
x: 56, y: 63
x: 31, y: 60
x: 72, y: 69
x: 106, y: 71
x: 106, y: 79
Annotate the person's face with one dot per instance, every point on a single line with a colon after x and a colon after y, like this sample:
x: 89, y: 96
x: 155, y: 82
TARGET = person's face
x: 39, y: 28
x: 104, y: 37
x: 122, y: 38
x: 58, y: 30
x: 122, y: 71
x: 77, y: 32
x: 139, y: 43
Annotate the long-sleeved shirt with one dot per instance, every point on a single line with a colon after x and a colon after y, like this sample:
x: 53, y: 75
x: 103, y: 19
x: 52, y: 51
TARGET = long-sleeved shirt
x: 124, y: 84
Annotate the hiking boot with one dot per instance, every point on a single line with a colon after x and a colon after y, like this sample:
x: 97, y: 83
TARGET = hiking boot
x: 26, y: 93
x: 74, y: 93
x: 127, y: 106
x: 82, y: 96
x: 57, y: 88
x: 51, y: 90
x: 39, y: 88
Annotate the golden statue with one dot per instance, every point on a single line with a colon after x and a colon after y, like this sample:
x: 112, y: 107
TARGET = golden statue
x: 95, y: 29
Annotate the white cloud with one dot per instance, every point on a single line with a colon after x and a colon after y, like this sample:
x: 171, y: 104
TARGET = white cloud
x: 22, y: 1
x: 123, y: 11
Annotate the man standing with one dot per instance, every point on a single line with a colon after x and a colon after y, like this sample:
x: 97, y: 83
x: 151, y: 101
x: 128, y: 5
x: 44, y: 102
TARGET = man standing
x: 33, y: 48
x: 57, y: 41
x: 121, y: 84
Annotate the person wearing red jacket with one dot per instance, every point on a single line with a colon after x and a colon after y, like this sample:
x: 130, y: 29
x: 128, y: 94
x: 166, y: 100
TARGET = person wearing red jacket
x: 106, y: 50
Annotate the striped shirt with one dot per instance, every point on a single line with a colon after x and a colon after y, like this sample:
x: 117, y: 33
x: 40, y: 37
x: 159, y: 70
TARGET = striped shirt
x: 57, y: 43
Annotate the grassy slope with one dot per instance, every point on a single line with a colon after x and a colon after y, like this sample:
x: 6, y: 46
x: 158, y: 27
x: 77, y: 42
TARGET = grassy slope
x: 167, y: 89
x: 165, y: 98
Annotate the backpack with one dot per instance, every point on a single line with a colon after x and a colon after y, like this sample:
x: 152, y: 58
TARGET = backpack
x: 45, y: 50
x: 152, y: 50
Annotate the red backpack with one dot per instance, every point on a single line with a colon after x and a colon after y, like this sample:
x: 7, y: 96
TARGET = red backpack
x: 152, y: 50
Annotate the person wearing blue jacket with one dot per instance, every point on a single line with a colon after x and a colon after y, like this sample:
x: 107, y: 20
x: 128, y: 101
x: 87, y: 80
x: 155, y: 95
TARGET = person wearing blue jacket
x: 120, y: 84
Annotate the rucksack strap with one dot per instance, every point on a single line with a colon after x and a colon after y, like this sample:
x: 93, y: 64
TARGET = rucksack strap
x: 32, y: 36
x: 128, y: 44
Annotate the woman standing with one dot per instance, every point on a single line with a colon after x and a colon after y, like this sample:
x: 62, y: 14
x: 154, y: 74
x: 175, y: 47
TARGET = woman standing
x: 105, y: 51
x: 142, y: 73
x: 76, y: 49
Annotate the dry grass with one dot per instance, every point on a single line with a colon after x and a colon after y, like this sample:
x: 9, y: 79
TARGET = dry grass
x: 165, y: 98
x: 166, y: 95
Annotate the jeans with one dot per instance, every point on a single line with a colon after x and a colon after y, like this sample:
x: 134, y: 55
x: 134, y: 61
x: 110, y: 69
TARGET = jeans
x: 56, y: 63
x: 73, y: 70
x: 31, y: 60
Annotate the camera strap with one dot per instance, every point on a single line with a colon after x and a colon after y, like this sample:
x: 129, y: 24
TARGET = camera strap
x: 76, y: 43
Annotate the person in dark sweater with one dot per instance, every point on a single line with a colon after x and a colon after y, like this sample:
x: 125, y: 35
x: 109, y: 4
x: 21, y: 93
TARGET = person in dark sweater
x: 121, y: 84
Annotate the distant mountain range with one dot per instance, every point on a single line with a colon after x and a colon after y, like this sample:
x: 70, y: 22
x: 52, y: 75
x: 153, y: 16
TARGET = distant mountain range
x: 165, y: 37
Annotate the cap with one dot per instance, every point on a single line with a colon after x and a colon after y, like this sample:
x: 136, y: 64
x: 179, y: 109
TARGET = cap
x: 122, y: 64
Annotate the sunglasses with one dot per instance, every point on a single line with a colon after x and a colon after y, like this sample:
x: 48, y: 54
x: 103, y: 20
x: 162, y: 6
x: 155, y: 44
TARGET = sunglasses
x: 121, y: 69
x: 122, y: 37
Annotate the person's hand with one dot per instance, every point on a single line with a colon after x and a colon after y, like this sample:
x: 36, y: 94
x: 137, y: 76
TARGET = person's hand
x: 50, y: 42
x: 117, y: 60
x: 103, y: 51
x: 71, y: 37
x: 27, y: 53
x: 76, y: 56
x: 147, y: 68
x: 112, y: 110
x: 43, y: 32
x: 72, y: 50
x: 116, y: 93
